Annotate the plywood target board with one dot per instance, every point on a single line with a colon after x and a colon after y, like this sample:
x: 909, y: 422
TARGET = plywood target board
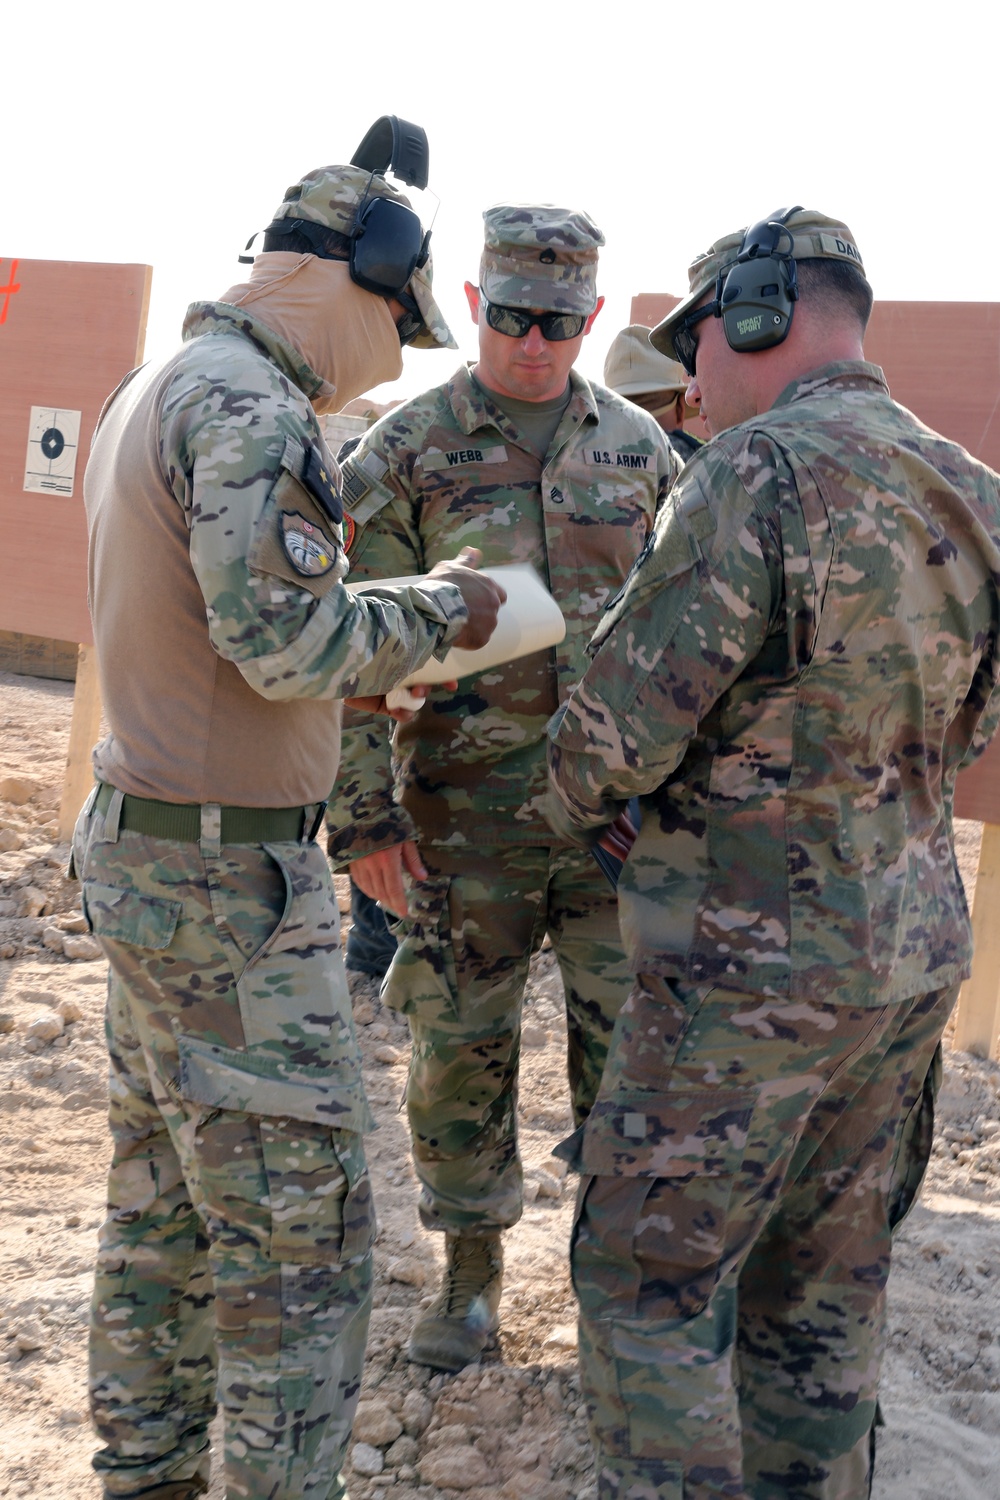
x: 69, y: 332
x: 941, y: 359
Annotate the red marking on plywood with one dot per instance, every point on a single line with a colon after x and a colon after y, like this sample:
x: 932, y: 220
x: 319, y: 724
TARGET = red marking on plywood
x: 6, y: 292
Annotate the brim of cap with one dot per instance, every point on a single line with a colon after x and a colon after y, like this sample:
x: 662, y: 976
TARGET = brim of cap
x: 662, y: 336
x: 546, y: 295
x: 436, y: 334
x: 652, y: 388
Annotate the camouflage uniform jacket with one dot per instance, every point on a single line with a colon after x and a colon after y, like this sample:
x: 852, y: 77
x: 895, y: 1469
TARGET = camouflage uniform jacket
x: 791, y: 679
x: 449, y: 469
x: 216, y: 562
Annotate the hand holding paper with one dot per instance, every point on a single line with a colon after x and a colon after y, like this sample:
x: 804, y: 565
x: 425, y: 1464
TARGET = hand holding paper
x: 483, y: 596
x: 529, y: 620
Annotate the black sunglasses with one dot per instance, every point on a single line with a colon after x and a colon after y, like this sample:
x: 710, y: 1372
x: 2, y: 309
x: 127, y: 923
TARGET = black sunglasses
x: 516, y: 324
x: 685, y: 345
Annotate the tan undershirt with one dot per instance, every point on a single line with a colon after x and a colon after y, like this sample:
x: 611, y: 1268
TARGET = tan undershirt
x: 536, y: 421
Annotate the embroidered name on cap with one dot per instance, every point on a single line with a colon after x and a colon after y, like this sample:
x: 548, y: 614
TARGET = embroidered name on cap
x: 618, y: 460
x: 834, y: 245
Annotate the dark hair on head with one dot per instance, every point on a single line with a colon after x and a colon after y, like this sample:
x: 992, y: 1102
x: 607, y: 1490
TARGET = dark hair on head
x: 837, y: 285
x: 314, y: 240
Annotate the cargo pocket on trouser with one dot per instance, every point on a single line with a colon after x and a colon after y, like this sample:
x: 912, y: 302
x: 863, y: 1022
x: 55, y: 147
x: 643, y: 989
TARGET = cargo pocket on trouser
x: 78, y: 843
x: 657, y: 1313
x: 422, y: 983
x: 916, y: 1140
x: 318, y: 1193
x: 292, y: 990
x: 310, y: 1174
x: 280, y: 1165
x: 650, y: 1030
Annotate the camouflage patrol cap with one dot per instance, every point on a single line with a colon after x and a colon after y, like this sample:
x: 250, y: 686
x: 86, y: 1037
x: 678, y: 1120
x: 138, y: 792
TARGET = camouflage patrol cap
x: 331, y: 196
x: 815, y: 236
x: 537, y: 255
x: 633, y: 365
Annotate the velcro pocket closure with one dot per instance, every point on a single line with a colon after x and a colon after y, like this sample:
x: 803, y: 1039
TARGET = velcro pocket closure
x: 264, y: 1083
x: 683, y: 1133
x: 126, y: 916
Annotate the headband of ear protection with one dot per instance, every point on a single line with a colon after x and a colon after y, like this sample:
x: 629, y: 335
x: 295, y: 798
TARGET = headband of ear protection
x: 756, y: 295
x: 387, y: 241
x: 396, y: 146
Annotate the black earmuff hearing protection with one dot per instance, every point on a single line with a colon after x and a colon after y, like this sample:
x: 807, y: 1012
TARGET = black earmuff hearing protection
x: 387, y: 241
x: 387, y: 246
x: 757, y: 294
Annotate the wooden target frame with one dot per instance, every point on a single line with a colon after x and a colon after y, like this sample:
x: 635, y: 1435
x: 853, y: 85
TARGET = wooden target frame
x: 69, y: 332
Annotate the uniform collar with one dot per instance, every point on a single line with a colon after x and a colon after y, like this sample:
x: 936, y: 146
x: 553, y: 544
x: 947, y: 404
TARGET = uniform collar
x: 473, y: 409
x: 848, y: 375
x: 221, y: 317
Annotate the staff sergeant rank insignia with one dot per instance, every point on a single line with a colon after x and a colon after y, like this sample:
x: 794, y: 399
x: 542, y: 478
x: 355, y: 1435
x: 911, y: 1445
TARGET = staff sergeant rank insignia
x: 307, y: 549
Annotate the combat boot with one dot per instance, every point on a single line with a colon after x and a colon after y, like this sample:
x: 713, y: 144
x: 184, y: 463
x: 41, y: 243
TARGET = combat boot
x: 174, y: 1489
x: 457, y: 1325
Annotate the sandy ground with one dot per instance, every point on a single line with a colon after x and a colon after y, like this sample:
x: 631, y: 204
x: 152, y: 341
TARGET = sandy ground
x: 512, y: 1428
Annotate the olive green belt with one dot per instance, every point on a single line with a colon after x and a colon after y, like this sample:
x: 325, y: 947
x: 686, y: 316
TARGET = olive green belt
x: 182, y: 820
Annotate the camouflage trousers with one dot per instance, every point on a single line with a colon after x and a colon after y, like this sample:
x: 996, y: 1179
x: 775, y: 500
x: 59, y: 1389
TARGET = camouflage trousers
x: 235, y: 1257
x: 459, y: 975
x: 743, y: 1167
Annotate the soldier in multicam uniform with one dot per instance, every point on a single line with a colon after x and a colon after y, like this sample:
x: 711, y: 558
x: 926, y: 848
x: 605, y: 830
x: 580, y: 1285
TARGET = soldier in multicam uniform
x: 790, y: 682
x: 634, y: 369
x: 224, y: 634
x: 526, y: 459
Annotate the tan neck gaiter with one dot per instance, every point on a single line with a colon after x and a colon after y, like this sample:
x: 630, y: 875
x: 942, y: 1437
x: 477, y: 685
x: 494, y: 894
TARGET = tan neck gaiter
x: 344, y: 333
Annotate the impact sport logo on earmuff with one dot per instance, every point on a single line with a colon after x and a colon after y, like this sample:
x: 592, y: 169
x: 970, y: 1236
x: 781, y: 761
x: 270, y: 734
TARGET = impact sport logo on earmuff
x: 756, y: 295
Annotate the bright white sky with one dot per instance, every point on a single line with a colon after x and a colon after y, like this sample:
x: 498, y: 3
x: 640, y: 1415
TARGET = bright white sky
x: 167, y: 133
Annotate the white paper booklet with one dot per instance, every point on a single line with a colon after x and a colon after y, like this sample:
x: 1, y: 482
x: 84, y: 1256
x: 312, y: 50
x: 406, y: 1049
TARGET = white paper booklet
x: 529, y: 621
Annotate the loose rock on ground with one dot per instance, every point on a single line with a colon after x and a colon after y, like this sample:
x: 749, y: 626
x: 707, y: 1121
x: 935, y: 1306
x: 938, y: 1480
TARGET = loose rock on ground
x: 514, y: 1426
